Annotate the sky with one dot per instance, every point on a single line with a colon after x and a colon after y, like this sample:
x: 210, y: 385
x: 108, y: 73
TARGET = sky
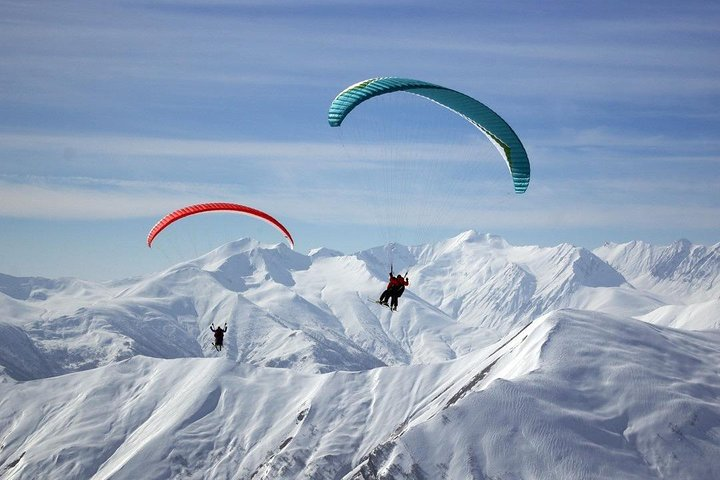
x: 116, y: 113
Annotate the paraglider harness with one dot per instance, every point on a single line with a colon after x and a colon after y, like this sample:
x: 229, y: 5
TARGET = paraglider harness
x: 219, y: 333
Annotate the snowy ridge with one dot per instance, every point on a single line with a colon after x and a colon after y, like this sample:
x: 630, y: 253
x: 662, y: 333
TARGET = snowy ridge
x: 481, y: 279
x: 683, y: 272
x: 588, y: 364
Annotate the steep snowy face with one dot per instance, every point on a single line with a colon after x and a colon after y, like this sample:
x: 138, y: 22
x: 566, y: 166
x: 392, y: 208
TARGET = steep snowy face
x: 681, y: 271
x: 483, y: 280
x: 604, y: 401
x: 633, y: 259
x: 671, y: 258
x: 255, y: 265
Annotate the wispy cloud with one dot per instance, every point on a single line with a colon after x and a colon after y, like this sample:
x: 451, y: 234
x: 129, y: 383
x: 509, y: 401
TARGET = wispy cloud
x: 620, y: 139
x: 83, y: 198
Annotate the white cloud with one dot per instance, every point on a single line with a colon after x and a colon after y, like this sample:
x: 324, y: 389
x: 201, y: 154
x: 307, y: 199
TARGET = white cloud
x: 52, y: 202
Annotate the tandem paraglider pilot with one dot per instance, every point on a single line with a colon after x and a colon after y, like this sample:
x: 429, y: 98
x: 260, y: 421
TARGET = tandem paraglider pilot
x: 395, y: 288
x: 219, y: 333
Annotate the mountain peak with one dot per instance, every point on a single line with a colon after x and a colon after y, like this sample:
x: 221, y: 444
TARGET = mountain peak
x: 235, y: 247
x: 243, y: 247
x: 324, y: 252
x: 682, y: 244
x: 472, y: 236
x: 469, y: 236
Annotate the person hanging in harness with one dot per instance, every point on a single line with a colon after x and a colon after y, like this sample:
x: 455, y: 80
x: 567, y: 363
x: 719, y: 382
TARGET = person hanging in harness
x: 219, y: 333
x: 398, y: 290
x: 395, y: 288
x: 384, y: 296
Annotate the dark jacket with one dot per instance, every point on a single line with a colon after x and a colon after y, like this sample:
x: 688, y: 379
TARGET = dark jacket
x: 219, y: 332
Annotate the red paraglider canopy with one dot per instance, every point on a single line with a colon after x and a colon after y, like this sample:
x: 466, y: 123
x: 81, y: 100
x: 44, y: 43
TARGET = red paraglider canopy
x: 212, y: 207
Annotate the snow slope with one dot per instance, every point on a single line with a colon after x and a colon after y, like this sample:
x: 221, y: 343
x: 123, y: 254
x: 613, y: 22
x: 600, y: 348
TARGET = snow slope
x: 609, y: 397
x: 696, y: 316
x: 575, y: 394
x: 503, y: 362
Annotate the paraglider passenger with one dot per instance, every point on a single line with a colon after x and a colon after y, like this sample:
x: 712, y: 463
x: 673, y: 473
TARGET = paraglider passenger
x: 386, y: 294
x: 398, y: 290
x: 219, y: 333
x: 395, y: 288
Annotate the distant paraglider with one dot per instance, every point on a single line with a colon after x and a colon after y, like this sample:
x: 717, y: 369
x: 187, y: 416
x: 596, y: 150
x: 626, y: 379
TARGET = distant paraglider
x: 487, y: 121
x: 212, y: 207
x: 219, y: 334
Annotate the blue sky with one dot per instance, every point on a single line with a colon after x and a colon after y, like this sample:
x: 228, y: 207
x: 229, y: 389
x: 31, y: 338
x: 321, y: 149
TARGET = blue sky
x: 115, y: 113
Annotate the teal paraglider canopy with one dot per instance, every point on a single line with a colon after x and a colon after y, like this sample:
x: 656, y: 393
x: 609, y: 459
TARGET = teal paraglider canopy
x: 487, y: 121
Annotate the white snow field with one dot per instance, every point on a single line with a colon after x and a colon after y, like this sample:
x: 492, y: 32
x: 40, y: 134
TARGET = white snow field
x: 503, y: 362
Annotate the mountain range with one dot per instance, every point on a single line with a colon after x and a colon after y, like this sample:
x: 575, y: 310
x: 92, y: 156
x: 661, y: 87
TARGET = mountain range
x: 502, y: 362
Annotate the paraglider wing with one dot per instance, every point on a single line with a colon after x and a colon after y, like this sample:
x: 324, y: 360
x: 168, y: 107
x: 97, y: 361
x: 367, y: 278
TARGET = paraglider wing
x: 490, y: 123
x: 212, y: 207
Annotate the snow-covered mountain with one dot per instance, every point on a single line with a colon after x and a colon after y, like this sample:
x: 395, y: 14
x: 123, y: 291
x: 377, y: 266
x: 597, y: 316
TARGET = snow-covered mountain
x: 502, y: 362
x: 682, y: 272
x: 312, y: 312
